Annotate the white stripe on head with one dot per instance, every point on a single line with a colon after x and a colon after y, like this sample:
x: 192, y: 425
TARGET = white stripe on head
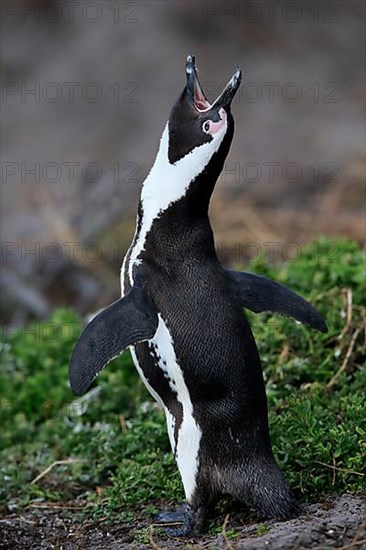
x: 167, y: 183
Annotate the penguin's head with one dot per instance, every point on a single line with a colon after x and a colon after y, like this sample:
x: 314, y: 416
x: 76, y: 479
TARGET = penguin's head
x: 198, y: 128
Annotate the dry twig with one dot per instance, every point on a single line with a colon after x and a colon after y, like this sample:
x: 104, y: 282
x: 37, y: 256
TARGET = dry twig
x: 344, y: 365
x: 55, y: 506
x: 334, y: 471
x: 56, y: 463
x: 340, y: 469
x: 153, y: 544
x: 353, y: 544
x: 284, y: 353
x: 122, y: 423
x: 228, y: 545
x: 349, y: 310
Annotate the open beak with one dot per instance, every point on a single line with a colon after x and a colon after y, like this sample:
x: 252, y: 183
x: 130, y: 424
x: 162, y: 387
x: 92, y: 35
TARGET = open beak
x: 198, y: 97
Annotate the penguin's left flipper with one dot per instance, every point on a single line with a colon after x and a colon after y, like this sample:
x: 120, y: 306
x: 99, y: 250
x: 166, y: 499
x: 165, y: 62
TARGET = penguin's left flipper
x: 126, y: 322
x: 258, y: 294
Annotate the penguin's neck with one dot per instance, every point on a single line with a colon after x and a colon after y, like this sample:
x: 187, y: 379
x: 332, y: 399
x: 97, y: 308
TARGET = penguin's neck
x: 175, y: 200
x: 167, y: 183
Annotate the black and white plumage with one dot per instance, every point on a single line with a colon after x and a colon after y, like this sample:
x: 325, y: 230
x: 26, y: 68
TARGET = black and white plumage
x: 182, y: 315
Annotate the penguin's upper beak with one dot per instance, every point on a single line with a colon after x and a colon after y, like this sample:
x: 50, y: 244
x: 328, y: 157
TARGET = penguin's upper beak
x: 196, y: 94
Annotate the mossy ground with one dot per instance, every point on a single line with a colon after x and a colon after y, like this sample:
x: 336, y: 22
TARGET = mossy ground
x: 112, y: 444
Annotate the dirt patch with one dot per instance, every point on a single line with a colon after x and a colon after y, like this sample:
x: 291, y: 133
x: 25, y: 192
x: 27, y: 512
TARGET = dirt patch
x: 337, y: 523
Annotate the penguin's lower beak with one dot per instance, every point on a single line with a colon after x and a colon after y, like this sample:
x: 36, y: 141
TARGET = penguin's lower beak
x: 228, y: 93
x: 199, y: 99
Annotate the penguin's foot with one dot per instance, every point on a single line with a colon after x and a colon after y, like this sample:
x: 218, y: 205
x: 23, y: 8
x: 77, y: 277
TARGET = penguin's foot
x: 176, y: 516
x: 184, y: 521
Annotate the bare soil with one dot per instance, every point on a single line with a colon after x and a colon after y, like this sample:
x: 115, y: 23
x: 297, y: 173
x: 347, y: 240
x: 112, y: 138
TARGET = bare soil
x: 336, y: 523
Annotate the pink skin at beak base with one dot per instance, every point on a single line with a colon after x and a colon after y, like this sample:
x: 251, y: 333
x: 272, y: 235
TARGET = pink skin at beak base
x: 220, y: 125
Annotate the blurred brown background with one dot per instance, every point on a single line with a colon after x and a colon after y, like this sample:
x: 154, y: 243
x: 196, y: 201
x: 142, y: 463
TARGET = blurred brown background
x: 86, y: 91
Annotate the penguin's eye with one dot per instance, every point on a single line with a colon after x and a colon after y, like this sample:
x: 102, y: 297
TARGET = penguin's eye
x: 206, y: 126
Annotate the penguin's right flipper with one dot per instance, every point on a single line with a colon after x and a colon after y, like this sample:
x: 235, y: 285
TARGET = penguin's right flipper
x: 126, y: 322
x: 259, y: 293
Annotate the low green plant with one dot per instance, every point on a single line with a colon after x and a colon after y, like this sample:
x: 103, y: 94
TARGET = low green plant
x: 116, y: 435
x: 261, y: 530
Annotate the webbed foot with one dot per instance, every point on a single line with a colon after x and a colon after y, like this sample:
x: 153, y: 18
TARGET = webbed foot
x: 184, y: 521
x: 172, y: 516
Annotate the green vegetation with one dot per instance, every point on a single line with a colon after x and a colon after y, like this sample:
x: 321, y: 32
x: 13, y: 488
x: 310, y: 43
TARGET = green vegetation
x: 261, y: 530
x: 112, y: 443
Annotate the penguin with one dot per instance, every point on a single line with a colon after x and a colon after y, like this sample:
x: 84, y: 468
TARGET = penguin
x: 181, y: 315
